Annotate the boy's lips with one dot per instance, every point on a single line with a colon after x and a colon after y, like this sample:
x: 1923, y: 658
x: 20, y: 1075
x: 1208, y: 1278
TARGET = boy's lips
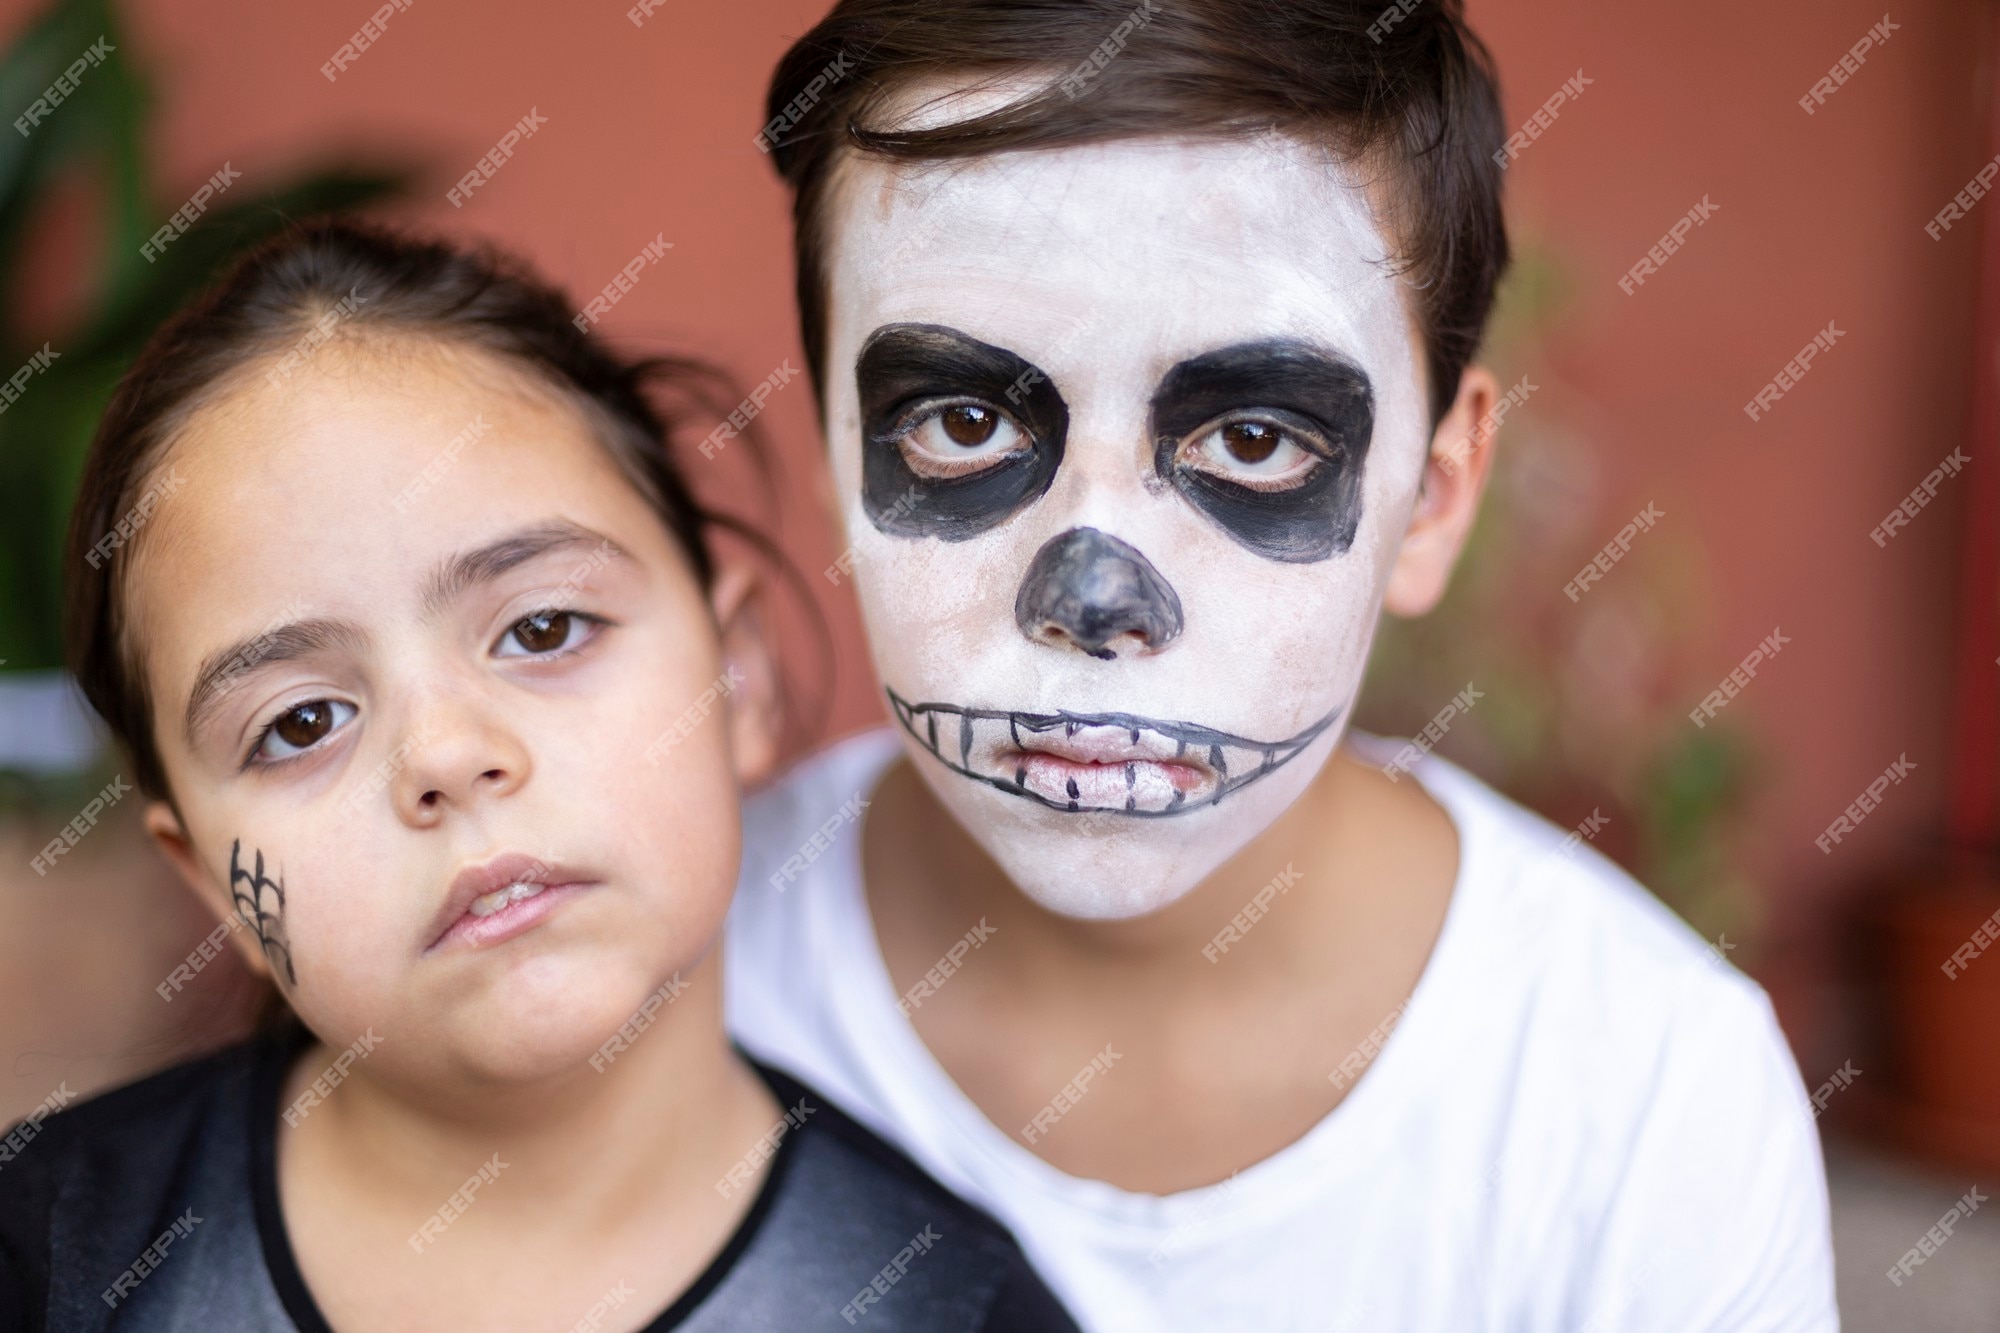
x: 1113, y: 763
x: 499, y: 898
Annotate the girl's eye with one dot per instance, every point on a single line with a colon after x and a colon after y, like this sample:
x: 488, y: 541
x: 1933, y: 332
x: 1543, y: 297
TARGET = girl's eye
x: 961, y: 437
x: 300, y: 728
x: 543, y: 633
x: 1255, y: 453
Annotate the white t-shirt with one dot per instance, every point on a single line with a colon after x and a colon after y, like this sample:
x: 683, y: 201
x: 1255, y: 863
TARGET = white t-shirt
x: 1583, y: 1118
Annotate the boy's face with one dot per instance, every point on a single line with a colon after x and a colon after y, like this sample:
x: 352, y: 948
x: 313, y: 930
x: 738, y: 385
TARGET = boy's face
x: 1126, y: 439
x: 438, y: 628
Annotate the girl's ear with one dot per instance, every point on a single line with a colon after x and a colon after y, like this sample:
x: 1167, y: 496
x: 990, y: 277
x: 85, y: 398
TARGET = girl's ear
x: 1461, y: 454
x: 164, y: 826
x: 751, y: 669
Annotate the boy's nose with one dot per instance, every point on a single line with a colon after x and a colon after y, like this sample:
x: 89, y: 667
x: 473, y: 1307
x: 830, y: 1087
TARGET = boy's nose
x: 453, y: 762
x: 1089, y: 589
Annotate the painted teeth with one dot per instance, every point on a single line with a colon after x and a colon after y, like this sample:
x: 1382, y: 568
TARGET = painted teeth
x: 499, y: 898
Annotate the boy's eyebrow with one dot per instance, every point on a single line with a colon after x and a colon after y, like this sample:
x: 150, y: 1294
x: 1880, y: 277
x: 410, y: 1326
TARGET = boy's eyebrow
x: 453, y: 576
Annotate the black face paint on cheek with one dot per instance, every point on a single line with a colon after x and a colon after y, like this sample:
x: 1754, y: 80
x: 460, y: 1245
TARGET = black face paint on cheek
x: 1323, y: 402
x: 262, y: 907
x: 903, y: 366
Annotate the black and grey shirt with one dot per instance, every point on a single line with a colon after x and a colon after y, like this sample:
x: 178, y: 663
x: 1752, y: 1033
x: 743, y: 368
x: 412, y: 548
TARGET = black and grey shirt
x: 138, y: 1210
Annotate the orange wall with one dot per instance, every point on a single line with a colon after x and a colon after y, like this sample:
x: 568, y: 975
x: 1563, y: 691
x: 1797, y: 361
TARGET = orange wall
x: 650, y: 131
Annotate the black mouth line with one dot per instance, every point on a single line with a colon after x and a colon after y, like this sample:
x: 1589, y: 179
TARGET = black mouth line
x: 1254, y: 758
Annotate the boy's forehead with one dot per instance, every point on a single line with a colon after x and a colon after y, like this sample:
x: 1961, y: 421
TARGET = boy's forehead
x: 1189, y: 242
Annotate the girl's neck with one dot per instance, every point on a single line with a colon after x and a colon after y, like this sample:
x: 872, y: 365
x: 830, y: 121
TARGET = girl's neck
x: 676, y: 1105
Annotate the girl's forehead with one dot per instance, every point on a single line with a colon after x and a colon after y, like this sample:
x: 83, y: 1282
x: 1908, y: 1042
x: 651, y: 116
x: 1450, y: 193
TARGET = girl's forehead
x: 340, y: 486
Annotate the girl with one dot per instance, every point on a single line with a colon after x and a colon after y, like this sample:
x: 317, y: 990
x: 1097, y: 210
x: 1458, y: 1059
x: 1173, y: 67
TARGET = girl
x: 388, y: 584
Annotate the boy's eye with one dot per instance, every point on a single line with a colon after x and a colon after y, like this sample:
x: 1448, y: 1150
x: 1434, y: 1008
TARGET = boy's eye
x: 1255, y: 453
x: 958, y: 438
x: 542, y: 633
x: 300, y: 728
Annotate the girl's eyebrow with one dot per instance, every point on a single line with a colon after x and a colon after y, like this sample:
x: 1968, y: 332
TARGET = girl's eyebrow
x: 454, y: 575
x: 223, y: 670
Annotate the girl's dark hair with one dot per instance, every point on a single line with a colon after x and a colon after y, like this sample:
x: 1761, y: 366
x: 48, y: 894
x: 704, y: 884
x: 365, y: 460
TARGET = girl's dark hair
x: 1404, y: 85
x: 337, y: 278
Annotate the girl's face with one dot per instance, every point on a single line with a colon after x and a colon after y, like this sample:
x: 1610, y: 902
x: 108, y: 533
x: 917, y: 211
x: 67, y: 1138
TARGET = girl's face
x: 446, y: 711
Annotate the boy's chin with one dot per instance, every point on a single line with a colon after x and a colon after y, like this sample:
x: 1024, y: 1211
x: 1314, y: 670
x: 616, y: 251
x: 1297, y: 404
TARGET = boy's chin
x: 1106, y: 866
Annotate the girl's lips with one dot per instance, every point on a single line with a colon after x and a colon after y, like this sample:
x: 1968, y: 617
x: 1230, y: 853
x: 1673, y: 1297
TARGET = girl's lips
x: 480, y: 932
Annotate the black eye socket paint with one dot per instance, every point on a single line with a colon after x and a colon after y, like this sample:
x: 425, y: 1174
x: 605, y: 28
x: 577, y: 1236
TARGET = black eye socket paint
x: 903, y: 366
x: 1323, y: 402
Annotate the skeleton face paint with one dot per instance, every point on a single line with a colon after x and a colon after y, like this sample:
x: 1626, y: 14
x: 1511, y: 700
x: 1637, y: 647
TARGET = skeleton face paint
x: 1127, y: 443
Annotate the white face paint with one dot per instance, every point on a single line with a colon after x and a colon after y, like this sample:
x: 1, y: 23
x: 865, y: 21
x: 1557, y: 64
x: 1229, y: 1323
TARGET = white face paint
x: 1120, y: 603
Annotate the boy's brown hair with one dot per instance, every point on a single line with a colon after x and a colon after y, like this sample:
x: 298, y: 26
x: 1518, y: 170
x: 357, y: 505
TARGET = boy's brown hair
x: 1406, y: 89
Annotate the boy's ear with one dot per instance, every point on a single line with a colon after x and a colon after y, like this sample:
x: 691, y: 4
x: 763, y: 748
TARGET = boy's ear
x: 750, y: 666
x: 164, y: 826
x: 1448, y: 500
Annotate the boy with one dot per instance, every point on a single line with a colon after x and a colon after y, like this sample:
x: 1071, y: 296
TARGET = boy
x: 1143, y: 341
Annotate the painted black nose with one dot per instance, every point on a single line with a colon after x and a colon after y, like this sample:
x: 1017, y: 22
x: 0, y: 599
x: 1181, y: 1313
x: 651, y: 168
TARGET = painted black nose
x: 1088, y: 588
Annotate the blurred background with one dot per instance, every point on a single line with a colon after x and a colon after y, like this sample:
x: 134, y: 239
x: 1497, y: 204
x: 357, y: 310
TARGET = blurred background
x: 1630, y: 398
